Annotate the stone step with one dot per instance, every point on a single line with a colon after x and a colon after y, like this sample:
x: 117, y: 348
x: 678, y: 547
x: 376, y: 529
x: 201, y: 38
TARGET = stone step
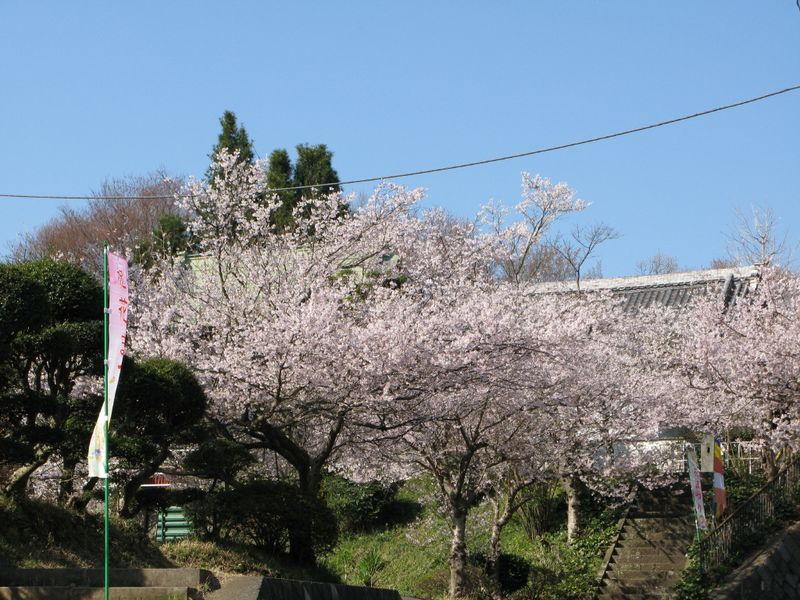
x: 672, y: 510
x: 669, y: 546
x: 664, y: 548
x: 616, y: 591
x: 680, y: 509
x: 619, y: 571
x: 92, y: 593
x: 677, y: 530
x: 649, y: 590
x: 646, y: 566
x: 635, y: 544
x: 632, y: 533
x: 661, y: 579
x: 683, y: 501
x: 654, y: 536
x: 642, y: 554
x: 655, y: 514
x: 687, y: 519
x: 634, y: 595
x: 679, y: 524
x: 664, y: 527
x: 673, y: 557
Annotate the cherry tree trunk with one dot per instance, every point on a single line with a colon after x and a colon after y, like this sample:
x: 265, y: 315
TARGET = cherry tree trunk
x: 769, y: 464
x: 129, y: 507
x: 301, y: 545
x: 458, y: 556
x: 572, y: 491
x: 493, y: 556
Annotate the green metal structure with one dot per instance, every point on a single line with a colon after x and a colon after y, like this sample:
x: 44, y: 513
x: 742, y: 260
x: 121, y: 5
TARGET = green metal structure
x: 173, y: 524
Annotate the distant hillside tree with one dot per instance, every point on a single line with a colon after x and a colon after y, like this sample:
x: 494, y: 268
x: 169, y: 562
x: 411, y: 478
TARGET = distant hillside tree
x: 170, y: 238
x: 722, y: 263
x: 658, y: 264
x: 77, y: 234
x: 759, y: 239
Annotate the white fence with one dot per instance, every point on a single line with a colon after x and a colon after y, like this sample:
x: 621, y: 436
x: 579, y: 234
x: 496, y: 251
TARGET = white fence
x: 669, y: 456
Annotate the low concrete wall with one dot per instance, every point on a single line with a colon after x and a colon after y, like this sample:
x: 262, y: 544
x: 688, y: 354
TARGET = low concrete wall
x: 287, y: 589
x: 268, y: 588
x: 234, y: 588
x: 12, y: 577
x: 773, y: 572
x: 93, y: 593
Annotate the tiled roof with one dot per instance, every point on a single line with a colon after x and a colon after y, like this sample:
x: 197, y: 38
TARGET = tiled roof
x: 671, y: 289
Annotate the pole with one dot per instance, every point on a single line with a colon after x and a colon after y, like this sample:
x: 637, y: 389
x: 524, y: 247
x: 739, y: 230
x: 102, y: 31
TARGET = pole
x: 105, y: 417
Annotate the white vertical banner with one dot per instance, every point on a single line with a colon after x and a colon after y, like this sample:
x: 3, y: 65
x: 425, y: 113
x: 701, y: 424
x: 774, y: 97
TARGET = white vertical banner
x: 697, y: 490
x: 117, y: 330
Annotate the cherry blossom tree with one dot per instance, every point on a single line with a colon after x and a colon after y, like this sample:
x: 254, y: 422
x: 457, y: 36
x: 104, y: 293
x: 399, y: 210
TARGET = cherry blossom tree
x: 599, y: 400
x: 458, y: 385
x: 738, y: 362
x: 492, y: 377
x: 268, y: 319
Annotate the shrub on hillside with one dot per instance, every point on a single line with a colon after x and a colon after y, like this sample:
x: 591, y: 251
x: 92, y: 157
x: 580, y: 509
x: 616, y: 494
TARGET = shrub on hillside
x: 266, y: 514
x: 512, y: 570
x: 362, y: 506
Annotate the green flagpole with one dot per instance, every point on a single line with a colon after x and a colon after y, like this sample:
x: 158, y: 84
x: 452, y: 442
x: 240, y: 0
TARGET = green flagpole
x: 105, y: 417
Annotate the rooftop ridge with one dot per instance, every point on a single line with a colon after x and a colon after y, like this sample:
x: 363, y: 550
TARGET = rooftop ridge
x: 684, y: 278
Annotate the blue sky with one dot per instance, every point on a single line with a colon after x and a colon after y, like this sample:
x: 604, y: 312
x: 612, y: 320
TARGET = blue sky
x: 93, y: 90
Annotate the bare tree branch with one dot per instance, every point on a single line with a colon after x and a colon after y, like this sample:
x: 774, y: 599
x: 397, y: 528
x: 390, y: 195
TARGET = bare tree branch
x: 581, y: 245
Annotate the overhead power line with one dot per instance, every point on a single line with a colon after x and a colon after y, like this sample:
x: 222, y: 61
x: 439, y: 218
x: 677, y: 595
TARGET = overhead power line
x: 449, y: 167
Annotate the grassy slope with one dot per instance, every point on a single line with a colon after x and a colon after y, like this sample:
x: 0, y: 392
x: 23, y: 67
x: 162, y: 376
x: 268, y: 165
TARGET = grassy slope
x: 38, y: 534
x: 413, y: 558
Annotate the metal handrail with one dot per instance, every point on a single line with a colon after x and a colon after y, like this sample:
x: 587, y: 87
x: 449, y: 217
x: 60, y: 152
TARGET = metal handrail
x: 748, y: 518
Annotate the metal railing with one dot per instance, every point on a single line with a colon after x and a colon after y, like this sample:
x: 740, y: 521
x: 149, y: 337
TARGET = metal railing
x: 747, y: 523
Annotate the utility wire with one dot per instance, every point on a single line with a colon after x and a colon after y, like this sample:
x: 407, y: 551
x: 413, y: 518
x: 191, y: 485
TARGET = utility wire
x: 449, y: 167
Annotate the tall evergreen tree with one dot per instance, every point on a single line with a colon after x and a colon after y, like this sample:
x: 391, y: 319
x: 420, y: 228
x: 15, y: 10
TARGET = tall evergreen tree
x: 232, y: 138
x: 279, y: 175
x: 314, y: 166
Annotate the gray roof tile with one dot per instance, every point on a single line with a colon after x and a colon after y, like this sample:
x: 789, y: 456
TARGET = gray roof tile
x: 672, y: 289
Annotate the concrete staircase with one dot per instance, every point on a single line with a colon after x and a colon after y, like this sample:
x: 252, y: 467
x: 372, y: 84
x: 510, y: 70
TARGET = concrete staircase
x: 650, y: 551
x: 87, y: 584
